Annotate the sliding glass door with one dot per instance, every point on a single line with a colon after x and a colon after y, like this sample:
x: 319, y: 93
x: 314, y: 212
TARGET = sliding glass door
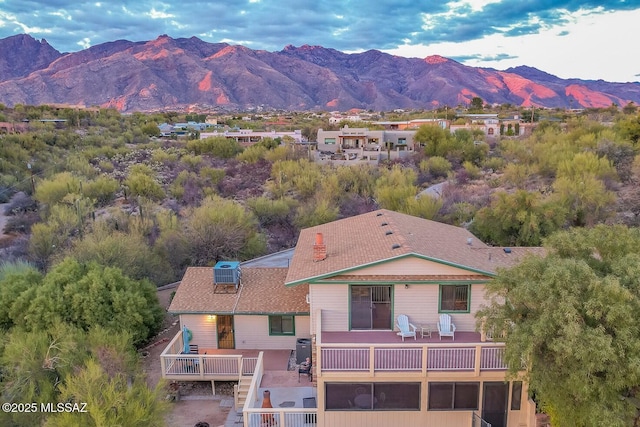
x: 371, y: 307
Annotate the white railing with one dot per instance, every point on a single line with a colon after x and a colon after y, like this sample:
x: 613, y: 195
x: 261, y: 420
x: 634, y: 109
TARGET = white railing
x: 410, y: 357
x: 405, y: 357
x: 345, y: 359
x: 271, y: 417
x: 249, y: 365
x: 290, y: 417
x: 492, y: 359
x: 252, y: 393
x: 176, y: 365
x: 388, y: 359
x: 451, y: 359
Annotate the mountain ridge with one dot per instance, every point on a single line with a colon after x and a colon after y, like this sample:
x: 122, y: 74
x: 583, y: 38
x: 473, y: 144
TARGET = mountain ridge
x: 167, y: 73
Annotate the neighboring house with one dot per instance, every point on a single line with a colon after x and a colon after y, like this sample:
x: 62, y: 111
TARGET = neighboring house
x: 412, y: 124
x: 248, y: 137
x: 179, y: 129
x: 364, y: 144
x: 358, y: 275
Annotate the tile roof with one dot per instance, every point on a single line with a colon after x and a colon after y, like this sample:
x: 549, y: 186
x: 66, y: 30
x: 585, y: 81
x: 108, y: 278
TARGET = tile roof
x: 383, y: 234
x: 262, y: 290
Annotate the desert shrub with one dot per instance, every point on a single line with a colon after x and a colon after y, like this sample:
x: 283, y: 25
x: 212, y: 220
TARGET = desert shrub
x: 252, y: 154
x: 270, y: 211
x: 213, y: 176
x: 222, y: 147
x: 102, y: 190
x: 20, y: 203
x: 473, y: 171
x: 53, y: 190
x: 436, y: 166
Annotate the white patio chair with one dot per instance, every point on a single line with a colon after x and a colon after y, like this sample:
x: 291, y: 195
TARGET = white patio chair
x: 406, y: 329
x: 446, y: 328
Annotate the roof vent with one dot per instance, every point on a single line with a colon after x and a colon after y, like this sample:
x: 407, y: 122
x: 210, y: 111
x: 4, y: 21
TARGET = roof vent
x: 388, y: 232
x: 379, y: 214
x: 384, y: 223
x: 395, y: 246
x: 469, y: 241
x: 226, y: 273
x: 507, y: 250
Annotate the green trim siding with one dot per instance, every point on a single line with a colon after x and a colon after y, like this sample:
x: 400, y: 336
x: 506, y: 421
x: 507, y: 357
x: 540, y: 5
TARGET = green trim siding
x: 314, y: 279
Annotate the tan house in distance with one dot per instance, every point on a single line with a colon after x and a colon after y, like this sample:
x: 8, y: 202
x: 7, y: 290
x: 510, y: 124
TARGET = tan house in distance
x: 359, y: 275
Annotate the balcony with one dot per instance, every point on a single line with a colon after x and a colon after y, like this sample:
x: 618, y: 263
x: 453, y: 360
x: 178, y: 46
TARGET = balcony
x: 372, y: 352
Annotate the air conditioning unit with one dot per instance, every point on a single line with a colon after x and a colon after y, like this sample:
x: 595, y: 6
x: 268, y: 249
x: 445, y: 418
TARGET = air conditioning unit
x: 226, y: 273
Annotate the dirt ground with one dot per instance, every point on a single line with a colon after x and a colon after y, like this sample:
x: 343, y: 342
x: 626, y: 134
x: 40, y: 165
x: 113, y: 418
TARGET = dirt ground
x: 197, y: 404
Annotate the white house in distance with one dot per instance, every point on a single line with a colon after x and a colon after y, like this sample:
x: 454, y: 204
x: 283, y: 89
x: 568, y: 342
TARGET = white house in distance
x: 248, y: 137
x: 346, y: 287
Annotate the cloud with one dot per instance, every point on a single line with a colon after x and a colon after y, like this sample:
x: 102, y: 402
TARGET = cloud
x: 349, y: 26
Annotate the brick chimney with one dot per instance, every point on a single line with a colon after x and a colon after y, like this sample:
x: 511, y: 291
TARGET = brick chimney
x: 319, y: 248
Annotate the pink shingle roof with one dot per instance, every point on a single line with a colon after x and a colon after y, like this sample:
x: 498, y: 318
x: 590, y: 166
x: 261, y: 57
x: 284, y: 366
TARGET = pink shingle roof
x: 382, y: 235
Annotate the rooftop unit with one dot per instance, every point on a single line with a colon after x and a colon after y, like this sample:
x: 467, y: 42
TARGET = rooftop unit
x: 226, y: 277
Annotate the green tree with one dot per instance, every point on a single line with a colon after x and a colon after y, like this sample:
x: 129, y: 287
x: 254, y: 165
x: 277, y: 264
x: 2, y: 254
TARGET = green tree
x: 568, y: 321
x: 433, y: 138
x: 90, y: 295
x: 476, y: 104
x: 111, y: 399
x: 128, y: 251
x: 222, y: 229
x: 33, y: 363
x: 520, y: 219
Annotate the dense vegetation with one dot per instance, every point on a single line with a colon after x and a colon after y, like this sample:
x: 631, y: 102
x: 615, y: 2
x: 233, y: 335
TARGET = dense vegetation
x: 100, y: 210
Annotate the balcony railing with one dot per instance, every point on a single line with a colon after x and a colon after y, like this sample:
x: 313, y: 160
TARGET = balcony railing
x: 407, y: 356
x: 418, y: 357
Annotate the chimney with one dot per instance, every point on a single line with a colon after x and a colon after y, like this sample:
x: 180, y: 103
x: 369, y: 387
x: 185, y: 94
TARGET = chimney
x: 319, y: 248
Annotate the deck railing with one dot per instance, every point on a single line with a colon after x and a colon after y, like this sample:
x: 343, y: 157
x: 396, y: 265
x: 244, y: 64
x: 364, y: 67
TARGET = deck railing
x: 280, y: 417
x: 176, y: 365
x: 406, y: 357
x: 290, y: 417
x: 418, y: 357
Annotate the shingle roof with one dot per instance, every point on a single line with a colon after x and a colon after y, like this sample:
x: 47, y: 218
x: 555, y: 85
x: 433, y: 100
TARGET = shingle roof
x: 262, y: 290
x: 365, y: 239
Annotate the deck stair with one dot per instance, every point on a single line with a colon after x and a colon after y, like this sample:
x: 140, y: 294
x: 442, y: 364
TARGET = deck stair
x: 241, y: 392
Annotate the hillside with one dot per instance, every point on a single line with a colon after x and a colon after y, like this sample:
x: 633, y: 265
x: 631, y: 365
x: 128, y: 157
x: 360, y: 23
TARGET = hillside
x: 168, y: 73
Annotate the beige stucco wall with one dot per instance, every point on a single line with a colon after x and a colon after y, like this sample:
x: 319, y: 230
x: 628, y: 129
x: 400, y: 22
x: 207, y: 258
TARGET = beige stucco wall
x: 252, y: 332
x: 419, y: 302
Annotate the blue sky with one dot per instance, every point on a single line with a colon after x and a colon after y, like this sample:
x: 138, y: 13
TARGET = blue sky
x: 567, y: 38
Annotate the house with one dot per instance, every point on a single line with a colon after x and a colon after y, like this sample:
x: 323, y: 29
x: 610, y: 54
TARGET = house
x: 358, y: 275
x: 364, y: 144
x: 248, y: 137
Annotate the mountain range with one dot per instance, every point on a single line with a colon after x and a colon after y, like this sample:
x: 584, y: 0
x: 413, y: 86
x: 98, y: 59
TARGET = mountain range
x: 167, y: 73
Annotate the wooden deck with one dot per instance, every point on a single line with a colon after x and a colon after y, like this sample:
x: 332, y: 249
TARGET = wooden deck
x: 216, y: 364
